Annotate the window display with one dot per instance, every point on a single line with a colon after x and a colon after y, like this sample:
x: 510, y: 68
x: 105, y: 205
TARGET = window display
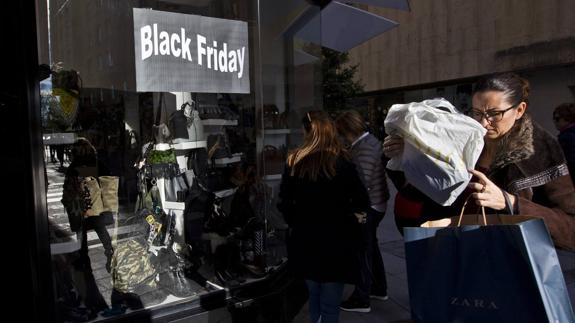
x: 183, y: 216
x: 166, y: 128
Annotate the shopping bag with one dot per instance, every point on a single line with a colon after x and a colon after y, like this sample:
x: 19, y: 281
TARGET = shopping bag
x: 441, y: 144
x: 485, y: 269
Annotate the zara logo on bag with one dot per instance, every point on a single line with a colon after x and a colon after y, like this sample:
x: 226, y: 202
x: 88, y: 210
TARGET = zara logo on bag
x: 476, y: 303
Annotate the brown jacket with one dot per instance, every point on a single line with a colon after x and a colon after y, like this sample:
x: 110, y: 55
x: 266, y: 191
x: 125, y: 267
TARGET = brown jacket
x: 530, y: 165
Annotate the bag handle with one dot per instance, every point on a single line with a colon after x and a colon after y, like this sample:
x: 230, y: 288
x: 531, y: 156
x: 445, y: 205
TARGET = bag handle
x: 158, y: 118
x: 463, y: 209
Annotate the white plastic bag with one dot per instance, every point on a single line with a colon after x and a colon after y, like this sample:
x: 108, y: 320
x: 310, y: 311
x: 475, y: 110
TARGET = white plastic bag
x: 441, y: 144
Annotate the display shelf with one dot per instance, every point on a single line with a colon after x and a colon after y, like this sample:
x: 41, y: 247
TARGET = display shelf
x: 282, y: 131
x: 190, y: 145
x: 225, y: 193
x: 174, y: 205
x: 236, y: 158
x: 219, y: 122
x: 277, y: 131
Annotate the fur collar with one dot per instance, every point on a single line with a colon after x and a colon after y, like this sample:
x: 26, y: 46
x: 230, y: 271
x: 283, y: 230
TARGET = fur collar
x: 517, y: 145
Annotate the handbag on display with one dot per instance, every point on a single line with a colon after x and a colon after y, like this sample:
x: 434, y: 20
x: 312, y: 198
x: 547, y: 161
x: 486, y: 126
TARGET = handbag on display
x: 159, y: 226
x: 218, y: 146
x: 197, y: 208
x: 179, y: 127
x: 227, y: 113
x: 198, y: 161
x: 194, y: 125
x: 238, y: 141
x: 161, y: 164
x: 198, y: 203
x: 209, y: 111
x: 282, y: 120
x: 161, y: 129
x: 217, y: 220
x: 132, y: 270
x: 176, y: 188
x: 148, y: 199
x: 161, y: 157
x: 217, y: 179
x: 172, y: 277
x: 175, y: 282
x: 271, y: 115
x: 161, y: 170
x: 186, y: 124
x: 251, y: 238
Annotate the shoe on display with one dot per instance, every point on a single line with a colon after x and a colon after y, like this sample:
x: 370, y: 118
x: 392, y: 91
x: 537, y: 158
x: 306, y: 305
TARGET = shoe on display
x: 355, y: 305
x: 221, y: 277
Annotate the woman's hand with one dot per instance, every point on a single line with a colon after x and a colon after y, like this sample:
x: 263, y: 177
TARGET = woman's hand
x: 488, y: 194
x: 361, y: 217
x: 392, y: 146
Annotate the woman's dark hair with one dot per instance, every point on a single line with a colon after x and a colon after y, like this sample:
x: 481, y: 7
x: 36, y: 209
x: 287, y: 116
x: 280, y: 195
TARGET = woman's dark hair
x: 350, y: 122
x: 515, y: 88
x: 565, y: 111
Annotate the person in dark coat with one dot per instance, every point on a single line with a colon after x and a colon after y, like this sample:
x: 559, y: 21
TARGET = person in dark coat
x: 322, y: 199
x: 521, y: 170
x: 366, y: 154
x: 564, y: 119
x: 85, y: 163
x: 77, y: 200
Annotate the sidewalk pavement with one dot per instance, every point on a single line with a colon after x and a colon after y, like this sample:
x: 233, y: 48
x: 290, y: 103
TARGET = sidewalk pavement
x: 396, y: 309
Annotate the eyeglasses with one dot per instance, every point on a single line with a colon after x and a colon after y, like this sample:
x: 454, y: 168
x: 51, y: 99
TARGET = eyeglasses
x: 491, y: 116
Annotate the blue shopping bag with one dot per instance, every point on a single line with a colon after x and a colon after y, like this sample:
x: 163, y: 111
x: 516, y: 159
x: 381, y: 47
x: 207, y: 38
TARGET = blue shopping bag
x: 487, y: 269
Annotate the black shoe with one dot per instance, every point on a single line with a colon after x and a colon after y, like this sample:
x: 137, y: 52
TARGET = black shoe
x: 354, y: 305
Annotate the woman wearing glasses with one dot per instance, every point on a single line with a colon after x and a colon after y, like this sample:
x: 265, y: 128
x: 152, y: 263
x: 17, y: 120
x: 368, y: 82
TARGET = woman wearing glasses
x: 520, y: 171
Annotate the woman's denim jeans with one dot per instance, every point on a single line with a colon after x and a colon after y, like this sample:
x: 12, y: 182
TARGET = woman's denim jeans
x: 324, y: 300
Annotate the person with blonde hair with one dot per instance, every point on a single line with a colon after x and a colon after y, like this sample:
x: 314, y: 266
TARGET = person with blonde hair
x: 321, y: 198
x: 366, y: 154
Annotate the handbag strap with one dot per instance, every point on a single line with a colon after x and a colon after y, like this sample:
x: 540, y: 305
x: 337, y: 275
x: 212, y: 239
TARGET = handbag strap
x: 161, y: 112
x: 463, y: 209
x: 158, y: 118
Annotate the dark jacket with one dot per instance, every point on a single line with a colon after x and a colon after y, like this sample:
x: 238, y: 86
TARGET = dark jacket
x: 567, y: 140
x: 531, y: 166
x: 367, y: 155
x: 324, y: 239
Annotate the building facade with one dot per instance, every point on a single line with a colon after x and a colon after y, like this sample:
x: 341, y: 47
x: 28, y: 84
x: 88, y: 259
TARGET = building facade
x: 441, y: 47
